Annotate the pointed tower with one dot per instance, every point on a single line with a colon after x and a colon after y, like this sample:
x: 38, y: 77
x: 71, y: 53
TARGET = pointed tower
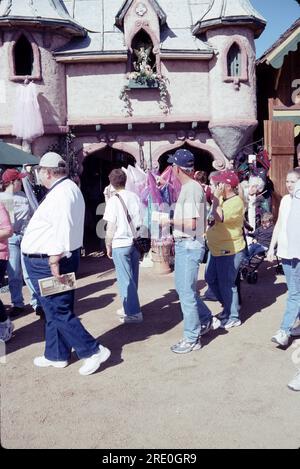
x: 39, y: 13
x: 230, y: 27
x: 29, y: 32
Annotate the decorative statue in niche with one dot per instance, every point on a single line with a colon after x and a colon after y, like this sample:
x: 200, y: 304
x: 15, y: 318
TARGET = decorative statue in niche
x: 143, y: 58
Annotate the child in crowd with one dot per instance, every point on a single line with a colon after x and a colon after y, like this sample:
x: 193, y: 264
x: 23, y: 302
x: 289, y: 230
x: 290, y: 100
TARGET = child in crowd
x: 262, y: 235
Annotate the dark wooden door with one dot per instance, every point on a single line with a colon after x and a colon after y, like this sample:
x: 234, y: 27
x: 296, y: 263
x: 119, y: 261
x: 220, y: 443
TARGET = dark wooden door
x: 279, y: 141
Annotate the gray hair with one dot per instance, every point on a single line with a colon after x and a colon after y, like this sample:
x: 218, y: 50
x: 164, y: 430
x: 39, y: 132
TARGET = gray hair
x: 62, y: 170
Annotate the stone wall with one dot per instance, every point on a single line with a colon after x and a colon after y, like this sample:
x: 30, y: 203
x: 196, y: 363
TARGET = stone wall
x: 94, y: 89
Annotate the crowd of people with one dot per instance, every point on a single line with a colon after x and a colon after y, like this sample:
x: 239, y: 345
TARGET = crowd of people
x: 46, y: 243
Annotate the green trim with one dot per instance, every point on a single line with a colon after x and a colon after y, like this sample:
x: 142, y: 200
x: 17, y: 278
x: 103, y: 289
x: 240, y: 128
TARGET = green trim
x: 295, y: 119
x: 278, y: 59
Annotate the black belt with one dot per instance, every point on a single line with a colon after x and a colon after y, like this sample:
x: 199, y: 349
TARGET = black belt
x: 41, y: 256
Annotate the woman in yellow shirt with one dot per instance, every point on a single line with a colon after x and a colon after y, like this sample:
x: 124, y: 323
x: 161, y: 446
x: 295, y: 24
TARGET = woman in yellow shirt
x: 226, y: 245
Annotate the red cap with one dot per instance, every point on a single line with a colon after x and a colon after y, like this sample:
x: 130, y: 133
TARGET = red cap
x: 228, y: 176
x: 11, y: 175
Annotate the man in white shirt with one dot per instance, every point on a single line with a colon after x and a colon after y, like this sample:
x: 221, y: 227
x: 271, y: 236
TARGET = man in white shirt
x: 51, y: 247
x: 120, y: 247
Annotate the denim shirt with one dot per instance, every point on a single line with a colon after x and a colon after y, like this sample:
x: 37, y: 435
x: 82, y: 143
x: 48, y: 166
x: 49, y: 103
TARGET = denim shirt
x: 22, y: 212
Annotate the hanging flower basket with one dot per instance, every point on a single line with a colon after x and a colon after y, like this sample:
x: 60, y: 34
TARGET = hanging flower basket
x: 142, y: 83
x: 143, y: 80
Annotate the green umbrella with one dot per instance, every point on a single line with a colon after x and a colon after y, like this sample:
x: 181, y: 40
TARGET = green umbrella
x: 12, y: 156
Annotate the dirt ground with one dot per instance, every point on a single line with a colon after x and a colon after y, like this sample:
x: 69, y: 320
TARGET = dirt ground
x: 230, y: 394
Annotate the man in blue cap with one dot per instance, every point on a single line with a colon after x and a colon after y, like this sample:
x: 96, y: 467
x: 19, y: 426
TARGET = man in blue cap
x: 188, y: 229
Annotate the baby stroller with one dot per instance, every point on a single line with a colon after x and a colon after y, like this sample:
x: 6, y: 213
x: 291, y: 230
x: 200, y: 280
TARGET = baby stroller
x: 250, y: 266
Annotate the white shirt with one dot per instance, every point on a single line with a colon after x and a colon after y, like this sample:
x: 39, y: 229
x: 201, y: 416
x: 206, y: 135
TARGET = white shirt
x: 293, y: 225
x: 57, y: 225
x: 115, y: 213
x: 282, y: 241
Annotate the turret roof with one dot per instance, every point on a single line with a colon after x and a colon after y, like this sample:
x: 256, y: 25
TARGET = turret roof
x: 230, y: 12
x: 50, y: 13
x: 181, y: 21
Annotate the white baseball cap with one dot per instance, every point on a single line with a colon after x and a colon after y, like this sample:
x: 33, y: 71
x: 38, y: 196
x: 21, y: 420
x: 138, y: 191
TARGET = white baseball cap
x: 51, y: 160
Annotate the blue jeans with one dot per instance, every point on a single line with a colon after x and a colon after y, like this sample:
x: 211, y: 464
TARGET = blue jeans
x: 3, y: 265
x: 221, y: 273
x: 14, y: 271
x: 34, y: 300
x: 64, y: 330
x: 126, y: 262
x: 256, y: 248
x: 291, y: 268
x: 188, y: 256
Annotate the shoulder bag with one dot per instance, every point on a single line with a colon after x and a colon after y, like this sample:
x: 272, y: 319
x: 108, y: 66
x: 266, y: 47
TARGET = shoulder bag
x: 143, y: 245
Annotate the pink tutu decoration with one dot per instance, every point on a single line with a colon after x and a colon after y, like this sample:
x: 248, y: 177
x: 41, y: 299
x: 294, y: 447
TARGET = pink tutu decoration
x: 136, y: 179
x: 174, y: 185
x: 27, y: 122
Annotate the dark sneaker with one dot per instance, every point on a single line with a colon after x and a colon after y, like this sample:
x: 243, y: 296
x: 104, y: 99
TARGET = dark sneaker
x: 221, y: 316
x: 16, y: 311
x: 213, y: 324
x: 184, y: 346
x: 40, y: 312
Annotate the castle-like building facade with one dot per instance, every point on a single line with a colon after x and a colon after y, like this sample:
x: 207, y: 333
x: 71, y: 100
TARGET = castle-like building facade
x: 133, y: 80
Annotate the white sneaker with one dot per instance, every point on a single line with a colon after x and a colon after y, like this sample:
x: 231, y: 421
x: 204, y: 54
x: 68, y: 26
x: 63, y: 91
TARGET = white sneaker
x: 216, y: 323
x: 6, y: 330
x: 295, y: 383
x: 281, y: 338
x: 295, y: 332
x: 229, y: 323
x: 43, y: 362
x: 132, y: 318
x: 92, y: 363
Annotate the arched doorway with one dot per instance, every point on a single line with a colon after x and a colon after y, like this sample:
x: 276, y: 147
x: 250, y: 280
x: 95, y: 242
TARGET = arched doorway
x: 203, y: 159
x: 94, y: 179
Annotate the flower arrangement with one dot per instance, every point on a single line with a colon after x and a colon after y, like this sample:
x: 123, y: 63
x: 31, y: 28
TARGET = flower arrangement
x: 145, y: 78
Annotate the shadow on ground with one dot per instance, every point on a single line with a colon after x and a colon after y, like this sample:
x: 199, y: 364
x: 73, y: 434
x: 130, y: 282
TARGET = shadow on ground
x: 257, y: 297
x: 160, y: 315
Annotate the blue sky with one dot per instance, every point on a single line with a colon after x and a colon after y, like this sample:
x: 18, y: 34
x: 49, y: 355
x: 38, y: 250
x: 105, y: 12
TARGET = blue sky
x: 280, y: 14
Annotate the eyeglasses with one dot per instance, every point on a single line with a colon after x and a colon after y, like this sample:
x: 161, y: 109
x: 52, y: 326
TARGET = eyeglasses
x: 39, y: 169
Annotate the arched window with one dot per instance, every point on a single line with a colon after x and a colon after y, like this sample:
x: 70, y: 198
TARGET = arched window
x: 23, y: 57
x: 234, y: 61
x: 142, y: 52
